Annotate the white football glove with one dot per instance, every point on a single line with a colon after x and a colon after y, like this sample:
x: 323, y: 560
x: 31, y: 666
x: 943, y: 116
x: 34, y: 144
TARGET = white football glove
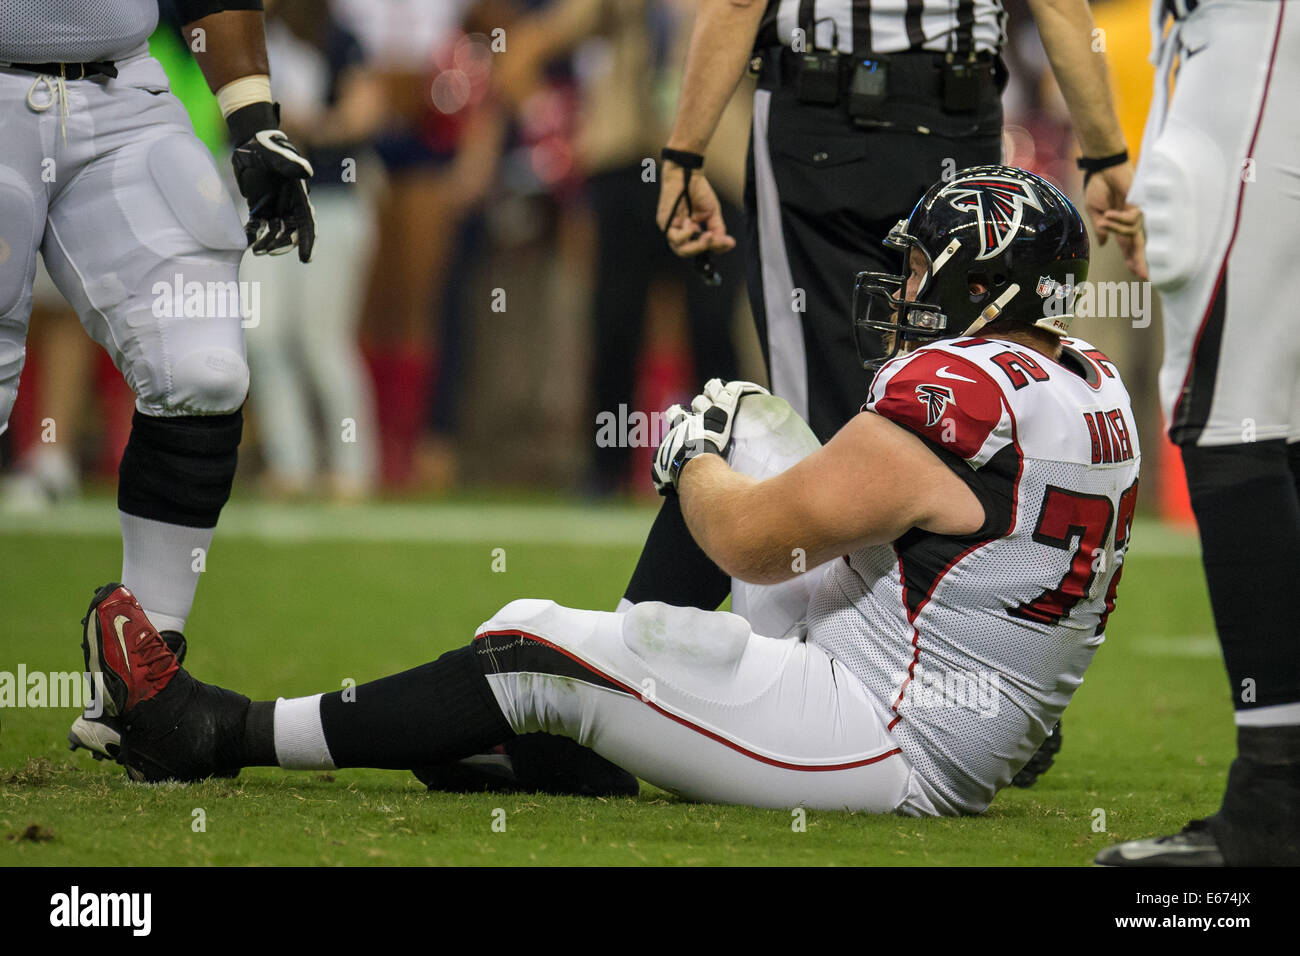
x: 704, y: 430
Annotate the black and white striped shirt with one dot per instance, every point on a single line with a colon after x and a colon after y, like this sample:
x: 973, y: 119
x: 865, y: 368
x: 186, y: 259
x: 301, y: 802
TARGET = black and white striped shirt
x: 886, y: 26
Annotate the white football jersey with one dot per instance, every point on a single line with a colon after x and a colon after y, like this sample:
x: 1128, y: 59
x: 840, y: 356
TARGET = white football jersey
x: 972, y: 646
x: 74, y: 31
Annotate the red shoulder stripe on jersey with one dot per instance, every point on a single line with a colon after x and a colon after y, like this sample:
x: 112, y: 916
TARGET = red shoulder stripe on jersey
x: 609, y: 679
x: 880, y: 372
x: 946, y: 398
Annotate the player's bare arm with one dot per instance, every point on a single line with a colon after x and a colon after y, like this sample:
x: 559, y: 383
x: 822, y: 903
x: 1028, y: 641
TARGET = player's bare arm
x: 870, y: 484
x: 234, y: 45
x: 719, y: 51
x: 271, y: 172
x: 1067, y: 31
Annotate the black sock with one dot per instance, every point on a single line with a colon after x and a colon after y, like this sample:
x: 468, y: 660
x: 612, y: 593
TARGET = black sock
x: 1248, y: 512
x: 1293, y: 462
x: 673, y: 568
x: 259, y: 735
x: 1257, y: 824
x: 439, y: 711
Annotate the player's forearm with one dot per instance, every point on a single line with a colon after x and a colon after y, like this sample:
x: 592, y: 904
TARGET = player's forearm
x: 731, y: 517
x: 1066, y: 28
x: 234, y: 46
x: 715, y: 61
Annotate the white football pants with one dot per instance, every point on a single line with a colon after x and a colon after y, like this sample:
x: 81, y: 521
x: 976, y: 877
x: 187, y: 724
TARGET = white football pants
x: 698, y: 702
x: 1220, y: 190
x: 107, y: 179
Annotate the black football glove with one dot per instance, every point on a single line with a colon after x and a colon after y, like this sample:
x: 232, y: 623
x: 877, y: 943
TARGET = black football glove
x: 272, y: 176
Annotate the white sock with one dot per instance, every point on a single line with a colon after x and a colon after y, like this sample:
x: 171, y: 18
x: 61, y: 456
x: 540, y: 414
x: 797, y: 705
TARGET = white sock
x: 161, y: 564
x: 300, y: 736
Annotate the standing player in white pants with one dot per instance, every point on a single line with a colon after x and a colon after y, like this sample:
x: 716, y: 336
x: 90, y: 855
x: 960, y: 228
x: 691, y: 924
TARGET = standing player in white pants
x: 101, y: 171
x: 969, y: 526
x: 1220, y: 191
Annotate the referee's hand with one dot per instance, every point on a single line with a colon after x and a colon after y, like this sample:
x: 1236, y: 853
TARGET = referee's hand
x: 701, y: 231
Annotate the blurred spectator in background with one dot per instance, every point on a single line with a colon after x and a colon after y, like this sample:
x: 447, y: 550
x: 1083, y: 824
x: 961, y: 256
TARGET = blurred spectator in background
x: 303, y: 350
x: 439, y: 146
x: 626, y: 64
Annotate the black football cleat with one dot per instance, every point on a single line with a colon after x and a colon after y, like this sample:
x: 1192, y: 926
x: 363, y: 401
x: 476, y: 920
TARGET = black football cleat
x: 491, y: 772
x: 122, y: 649
x: 533, y: 763
x: 172, y: 727
x: 1193, y: 846
x: 101, y: 736
x: 1257, y: 823
x: 1041, y: 761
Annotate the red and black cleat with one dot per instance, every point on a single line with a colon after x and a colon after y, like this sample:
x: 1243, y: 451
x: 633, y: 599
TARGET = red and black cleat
x: 101, y: 734
x: 172, y: 726
x: 121, y: 646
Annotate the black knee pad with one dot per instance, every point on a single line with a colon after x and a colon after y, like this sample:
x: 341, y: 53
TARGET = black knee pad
x: 179, y: 470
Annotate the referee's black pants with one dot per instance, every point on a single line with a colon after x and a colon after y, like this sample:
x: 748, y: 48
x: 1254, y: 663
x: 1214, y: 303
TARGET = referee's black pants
x: 821, y: 194
x: 630, y: 253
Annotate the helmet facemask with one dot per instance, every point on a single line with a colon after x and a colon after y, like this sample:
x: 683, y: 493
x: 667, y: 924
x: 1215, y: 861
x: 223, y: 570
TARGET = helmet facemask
x: 887, y: 322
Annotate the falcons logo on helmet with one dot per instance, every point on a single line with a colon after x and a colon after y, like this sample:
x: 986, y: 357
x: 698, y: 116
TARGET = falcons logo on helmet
x: 999, y: 204
x: 935, y: 398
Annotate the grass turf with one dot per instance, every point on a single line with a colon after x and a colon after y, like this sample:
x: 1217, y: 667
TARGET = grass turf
x: 1147, y: 738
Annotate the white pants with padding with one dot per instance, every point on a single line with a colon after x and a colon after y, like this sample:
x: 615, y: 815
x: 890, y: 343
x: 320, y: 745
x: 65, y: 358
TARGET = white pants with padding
x: 696, y: 703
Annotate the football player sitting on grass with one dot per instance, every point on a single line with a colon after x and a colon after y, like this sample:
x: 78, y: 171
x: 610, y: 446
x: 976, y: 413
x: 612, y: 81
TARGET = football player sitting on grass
x: 918, y: 599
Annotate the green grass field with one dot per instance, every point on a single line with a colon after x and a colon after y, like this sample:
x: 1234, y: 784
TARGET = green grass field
x: 296, y: 602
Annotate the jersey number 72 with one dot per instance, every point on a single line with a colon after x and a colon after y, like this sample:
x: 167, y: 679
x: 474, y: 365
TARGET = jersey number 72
x: 1066, y: 516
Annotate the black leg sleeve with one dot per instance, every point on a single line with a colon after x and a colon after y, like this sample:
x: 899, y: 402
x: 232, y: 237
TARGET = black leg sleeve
x: 440, y: 711
x: 1246, y: 506
x: 673, y: 568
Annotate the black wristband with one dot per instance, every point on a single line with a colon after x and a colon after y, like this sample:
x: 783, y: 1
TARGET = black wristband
x: 689, y: 453
x: 188, y: 11
x: 683, y: 158
x: 1102, y: 162
x: 247, y: 121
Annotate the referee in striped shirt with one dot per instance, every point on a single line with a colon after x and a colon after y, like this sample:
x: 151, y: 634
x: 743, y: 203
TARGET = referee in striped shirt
x: 861, y: 105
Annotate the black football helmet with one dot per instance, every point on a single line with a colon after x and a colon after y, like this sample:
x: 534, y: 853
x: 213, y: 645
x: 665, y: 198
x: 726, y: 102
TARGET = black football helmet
x: 1005, y: 228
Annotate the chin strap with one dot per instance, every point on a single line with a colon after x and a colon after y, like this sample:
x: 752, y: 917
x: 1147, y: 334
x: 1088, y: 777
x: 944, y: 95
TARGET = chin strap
x: 993, y: 309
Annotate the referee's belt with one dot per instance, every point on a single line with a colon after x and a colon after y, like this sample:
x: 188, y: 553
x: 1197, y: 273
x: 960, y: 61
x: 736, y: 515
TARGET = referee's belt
x: 920, y: 72
x: 68, y: 71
